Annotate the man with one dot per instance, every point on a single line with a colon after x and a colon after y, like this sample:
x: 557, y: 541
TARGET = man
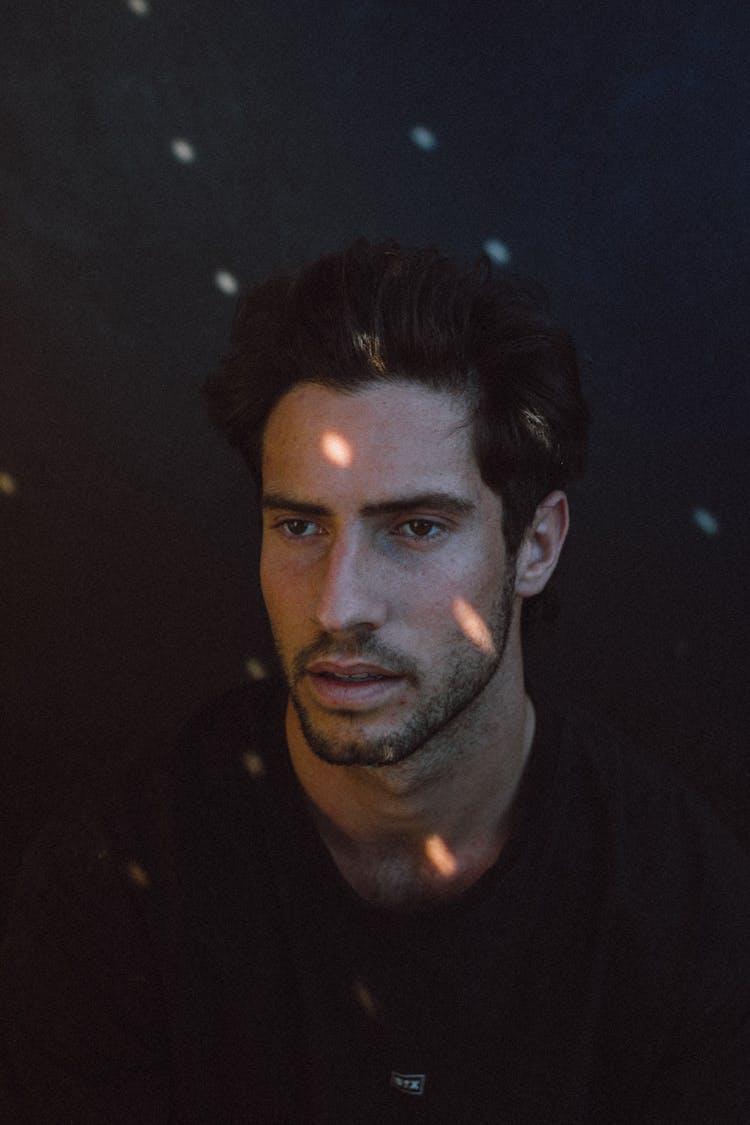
x: 397, y: 886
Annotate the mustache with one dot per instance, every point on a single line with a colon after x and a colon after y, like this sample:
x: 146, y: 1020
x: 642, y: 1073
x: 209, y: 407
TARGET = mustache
x: 364, y: 647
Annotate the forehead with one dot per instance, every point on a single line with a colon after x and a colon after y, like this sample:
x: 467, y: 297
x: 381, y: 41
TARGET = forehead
x: 381, y: 438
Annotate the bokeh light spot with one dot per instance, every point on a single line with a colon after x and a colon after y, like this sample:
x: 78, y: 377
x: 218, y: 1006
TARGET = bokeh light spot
x: 423, y: 138
x: 705, y: 521
x: 183, y: 151
x: 256, y: 669
x: 140, y: 7
x: 497, y: 251
x: 440, y: 856
x: 254, y: 764
x: 364, y: 998
x: 226, y: 282
x: 8, y: 484
x: 337, y: 449
x: 473, y: 626
x: 137, y: 874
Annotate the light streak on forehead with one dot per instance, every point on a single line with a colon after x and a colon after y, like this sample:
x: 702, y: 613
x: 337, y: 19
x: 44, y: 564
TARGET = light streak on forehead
x: 473, y: 626
x: 337, y: 449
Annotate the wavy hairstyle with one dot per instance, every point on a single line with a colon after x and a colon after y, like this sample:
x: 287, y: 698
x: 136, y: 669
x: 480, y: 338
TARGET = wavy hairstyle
x: 387, y: 313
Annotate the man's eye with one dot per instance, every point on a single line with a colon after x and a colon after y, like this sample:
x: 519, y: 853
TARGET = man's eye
x: 299, y: 529
x: 422, y: 529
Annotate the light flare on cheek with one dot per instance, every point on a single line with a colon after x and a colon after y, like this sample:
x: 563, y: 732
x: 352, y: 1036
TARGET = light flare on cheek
x: 440, y: 856
x: 473, y: 626
x: 336, y: 449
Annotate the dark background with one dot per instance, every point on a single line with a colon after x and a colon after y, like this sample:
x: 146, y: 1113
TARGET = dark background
x: 604, y: 144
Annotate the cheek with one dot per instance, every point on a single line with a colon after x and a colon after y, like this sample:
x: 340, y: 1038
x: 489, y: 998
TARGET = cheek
x: 469, y: 575
x: 461, y: 606
x: 428, y: 609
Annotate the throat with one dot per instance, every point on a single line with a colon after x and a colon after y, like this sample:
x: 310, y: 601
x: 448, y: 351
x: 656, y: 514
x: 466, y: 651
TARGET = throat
x: 397, y: 878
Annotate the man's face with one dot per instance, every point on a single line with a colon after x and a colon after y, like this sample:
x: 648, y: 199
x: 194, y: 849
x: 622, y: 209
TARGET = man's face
x: 383, y: 568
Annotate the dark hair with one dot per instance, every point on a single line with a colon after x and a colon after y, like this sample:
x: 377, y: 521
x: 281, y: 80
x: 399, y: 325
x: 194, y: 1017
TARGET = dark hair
x: 385, y: 313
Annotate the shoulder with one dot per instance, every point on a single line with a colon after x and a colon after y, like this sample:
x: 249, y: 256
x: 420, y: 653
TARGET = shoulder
x: 638, y: 795
x: 124, y: 843
x: 108, y: 894
x: 655, y: 827
x: 677, y: 882
x: 678, y: 916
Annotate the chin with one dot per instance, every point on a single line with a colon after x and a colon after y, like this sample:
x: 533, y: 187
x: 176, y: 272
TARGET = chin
x: 342, y: 749
x: 373, y: 752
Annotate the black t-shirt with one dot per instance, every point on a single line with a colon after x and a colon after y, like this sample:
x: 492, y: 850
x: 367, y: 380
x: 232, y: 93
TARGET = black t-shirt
x: 193, y: 955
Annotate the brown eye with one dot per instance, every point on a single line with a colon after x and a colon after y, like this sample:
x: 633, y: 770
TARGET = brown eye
x: 299, y: 529
x: 422, y: 529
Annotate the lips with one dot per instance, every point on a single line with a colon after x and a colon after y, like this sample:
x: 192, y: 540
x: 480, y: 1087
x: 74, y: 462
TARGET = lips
x: 351, y: 686
x: 350, y: 673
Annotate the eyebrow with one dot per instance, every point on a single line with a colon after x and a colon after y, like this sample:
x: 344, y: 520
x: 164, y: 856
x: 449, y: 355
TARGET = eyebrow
x: 446, y: 502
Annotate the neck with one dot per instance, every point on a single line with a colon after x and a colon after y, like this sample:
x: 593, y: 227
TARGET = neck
x: 425, y: 829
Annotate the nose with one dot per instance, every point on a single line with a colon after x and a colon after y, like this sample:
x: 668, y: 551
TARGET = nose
x: 350, y: 588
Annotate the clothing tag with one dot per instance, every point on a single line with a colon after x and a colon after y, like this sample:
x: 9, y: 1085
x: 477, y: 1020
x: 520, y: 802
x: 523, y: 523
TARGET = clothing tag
x: 409, y: 1083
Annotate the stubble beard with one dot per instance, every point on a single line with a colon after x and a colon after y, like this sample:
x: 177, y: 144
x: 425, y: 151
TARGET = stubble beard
x: 470, y: 672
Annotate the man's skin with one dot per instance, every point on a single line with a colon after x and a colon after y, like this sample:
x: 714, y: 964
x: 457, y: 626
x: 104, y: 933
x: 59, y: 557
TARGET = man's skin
x: 384, y: 559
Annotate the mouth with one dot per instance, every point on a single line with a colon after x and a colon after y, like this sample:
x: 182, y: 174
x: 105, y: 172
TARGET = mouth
x: 351, y: 685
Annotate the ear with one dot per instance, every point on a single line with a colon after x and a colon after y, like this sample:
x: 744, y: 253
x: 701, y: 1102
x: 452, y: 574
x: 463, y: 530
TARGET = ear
x: 542, y: 544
